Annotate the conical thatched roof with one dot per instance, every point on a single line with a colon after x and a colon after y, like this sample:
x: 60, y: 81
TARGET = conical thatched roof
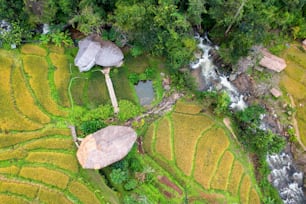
x: 106, y: 146
x: 93, y: 50
x: 272, y: 62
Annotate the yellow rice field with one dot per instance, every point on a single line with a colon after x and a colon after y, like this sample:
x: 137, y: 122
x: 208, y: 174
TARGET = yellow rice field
x: 24, y: 189
x: 203, y: 152
x: 61, y: 76
x: 31, y: 49
x: 50, y: 143
x: 12, y: 199
x: 220, y: 180
x: 24, y: 99
x: 82, y: 193
x: 10, y: 170
x: 12, y: 154
x: 253, y: 197
x: 44, y: 175
x: 61, y: 160
x: 189, y: 108
x: 9, y: 114
x: 52, y: 197
x: 187, y: 129
x: 37, y: 159
x: 209, y: 151
x: 245, y: 189
x: 148, y: 139
x: 37, y: 68
x: 235, y: 178
x: 294, y: 82
x: 17, y: 138
x: 163, y: 138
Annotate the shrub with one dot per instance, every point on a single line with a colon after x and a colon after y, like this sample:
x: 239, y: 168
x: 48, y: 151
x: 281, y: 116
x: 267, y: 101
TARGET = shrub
x: 150, y: 73
x: 222, y: 104
x: 92, y: 126
x: 130, y: 185
x: 127, y: 110
x: 118, y: 176
x: 136, y: 51
x: 133, y: 78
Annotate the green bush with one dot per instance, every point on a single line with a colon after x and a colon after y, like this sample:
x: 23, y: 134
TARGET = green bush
x: 92, y: 126
x: 118, y: 176
x: 136, y: 51
x: 150, y: 73
x: 222, y: 104
x: 130, y: 185
x: 127, y: 110
x: 133, y: 78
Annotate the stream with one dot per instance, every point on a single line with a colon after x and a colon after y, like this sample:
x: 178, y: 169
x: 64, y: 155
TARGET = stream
x: 284, y: 176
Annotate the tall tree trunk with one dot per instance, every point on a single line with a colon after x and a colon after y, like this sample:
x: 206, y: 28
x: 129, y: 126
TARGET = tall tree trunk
x: 235, y: 17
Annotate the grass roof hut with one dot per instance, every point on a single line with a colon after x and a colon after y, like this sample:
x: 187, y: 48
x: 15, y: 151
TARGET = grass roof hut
x: 106, y: 146
x: 95, y: 51
x: 272, y: 62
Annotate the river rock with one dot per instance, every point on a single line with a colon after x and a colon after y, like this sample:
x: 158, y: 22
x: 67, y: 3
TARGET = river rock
x: 232, y: 77
x: 244, y: 84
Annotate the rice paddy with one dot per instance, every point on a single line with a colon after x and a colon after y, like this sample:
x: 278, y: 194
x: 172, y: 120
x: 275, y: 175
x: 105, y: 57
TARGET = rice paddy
x: 204, y: 157
x: 163, y: 142
x: 61, y: 74
x: 294, y: 82
x: 38, y: 68
x: 37, y: 156
x: 45, y: 175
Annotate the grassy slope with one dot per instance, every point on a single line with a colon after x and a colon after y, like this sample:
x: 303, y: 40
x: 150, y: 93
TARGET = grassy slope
x: 294, y: 82
x: 37, y: 162
x: 205, y: 161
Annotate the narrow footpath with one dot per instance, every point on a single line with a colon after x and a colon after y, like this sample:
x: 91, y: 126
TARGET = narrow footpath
x: 295, y: 125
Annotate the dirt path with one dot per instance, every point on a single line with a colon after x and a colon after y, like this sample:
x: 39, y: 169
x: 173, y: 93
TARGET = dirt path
x: 295, y: 125
x: 227, y: 123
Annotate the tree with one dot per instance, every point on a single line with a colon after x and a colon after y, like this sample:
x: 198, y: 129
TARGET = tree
x: 222, y: 103
x: 14, y: 36
x: 88, y: 21
x: 196, y: 8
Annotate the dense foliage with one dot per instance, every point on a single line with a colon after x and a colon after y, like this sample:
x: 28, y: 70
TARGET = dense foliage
x: 255, y: 138
x: 166, y: 28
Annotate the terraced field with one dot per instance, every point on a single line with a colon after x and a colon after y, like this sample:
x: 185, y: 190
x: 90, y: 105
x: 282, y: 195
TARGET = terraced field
x: 37, y: 156
x: 199, y: 153
x: 294, y: 82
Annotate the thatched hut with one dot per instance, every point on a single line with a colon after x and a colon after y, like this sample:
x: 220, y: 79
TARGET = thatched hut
x: 106, y: 146
x: 95, y: 51
x: 272, y: 62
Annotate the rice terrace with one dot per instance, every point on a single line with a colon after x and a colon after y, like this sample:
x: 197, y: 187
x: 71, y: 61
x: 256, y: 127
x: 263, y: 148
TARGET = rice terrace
x: 200, y: 153
x: 192, y: 154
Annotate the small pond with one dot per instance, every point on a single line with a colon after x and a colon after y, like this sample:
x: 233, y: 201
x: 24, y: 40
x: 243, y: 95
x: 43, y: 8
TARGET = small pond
x: 145, y: 92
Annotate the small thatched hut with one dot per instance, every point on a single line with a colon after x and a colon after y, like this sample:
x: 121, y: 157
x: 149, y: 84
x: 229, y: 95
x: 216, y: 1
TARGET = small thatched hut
x: 272, y: 62
x: 93, y: 50
x: 106, y: 146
